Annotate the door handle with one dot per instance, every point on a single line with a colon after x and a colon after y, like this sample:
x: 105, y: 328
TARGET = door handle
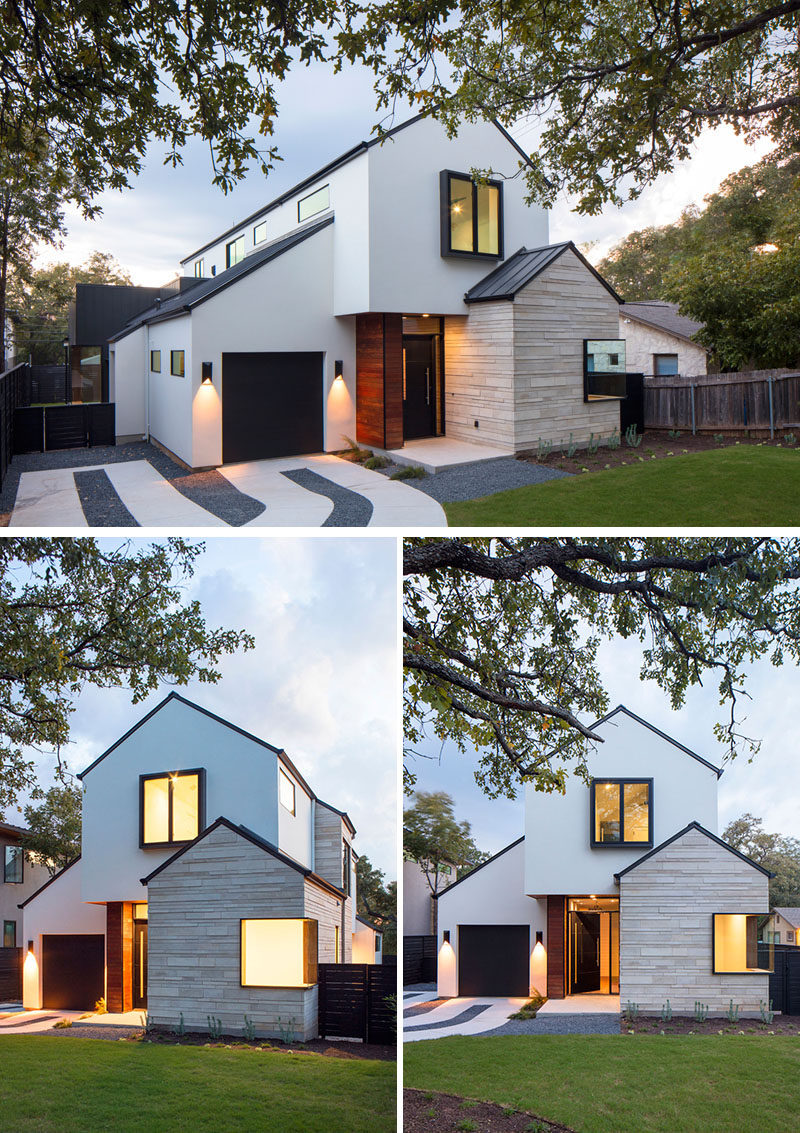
x: 427, y: 385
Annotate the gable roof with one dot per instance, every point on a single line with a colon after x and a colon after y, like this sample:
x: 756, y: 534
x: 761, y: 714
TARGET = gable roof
x: 49, y: 881
x: 665, y: 316
x: 369, y: 924
x: 185, y: 302
x: 12, y: 831
x: 472, y: 872
x: 350, y: 155
x: 255, y: 840
x: 680, y: 834
x: 790, y: 913
x: 521, y: 268
x: 675, y: 743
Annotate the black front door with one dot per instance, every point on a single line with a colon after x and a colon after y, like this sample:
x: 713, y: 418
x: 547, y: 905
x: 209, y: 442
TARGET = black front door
x: 586, y: 951
x: 419, y: 386
x: 140, y: 963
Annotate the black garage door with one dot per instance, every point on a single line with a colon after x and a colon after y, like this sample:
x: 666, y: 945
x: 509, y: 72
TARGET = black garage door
x: 493, y: 959
x: 271, y: 405
x: 72, y: 971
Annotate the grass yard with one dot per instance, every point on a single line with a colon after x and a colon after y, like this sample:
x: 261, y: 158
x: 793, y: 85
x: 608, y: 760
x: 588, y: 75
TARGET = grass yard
x: 50, y: 1084
x: 742, y: 485
x: 622, y: 1084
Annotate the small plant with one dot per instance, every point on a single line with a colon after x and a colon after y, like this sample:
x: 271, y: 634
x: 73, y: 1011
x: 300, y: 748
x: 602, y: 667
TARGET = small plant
x: 631, y: 1012
x: 529, y: 1009
x: 593, y: 445
x: 615, y: 440
x: 536, y: 1127
x: 790, y: 438
x: 572, y: 446
x: 181, y: 1028
x: 666, y: 1012
x: 375, y: 462
x: 286, y: 1030
x: 719, y: 438
x: 100, y: 1007
x: 214, y: 1027
x: 674, y: 434
x: 632, y: 438
x: 467, y: 1125
x: 249, y: 1029
x: 543, y: 449
x: 62, y: 1024
x: 733, y: 1012
x: 767, y: 1014
x: 409, y: 472
x: 355, y: 452
x: 700, y: 1011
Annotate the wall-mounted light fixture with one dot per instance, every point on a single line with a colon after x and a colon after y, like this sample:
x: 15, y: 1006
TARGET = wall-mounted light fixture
x: 338, y: 370
x: 207, y: 374
x: 30, y: 946
x: 446, y: 936
x: 540, y: 937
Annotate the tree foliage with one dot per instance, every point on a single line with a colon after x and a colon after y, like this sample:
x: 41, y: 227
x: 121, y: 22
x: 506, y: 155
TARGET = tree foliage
x: 501, y: 639
x: 433, y: 837
x: 775, y: 852
x: 74, y: 613
x: 377, y: 902
x: 54, y: 827
x: 734, y: 266
x: 617, y: 91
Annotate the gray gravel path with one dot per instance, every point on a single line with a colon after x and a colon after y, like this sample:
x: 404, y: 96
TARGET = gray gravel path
x: 87, y: 1031
x: 349, y: 508
x: 99, y: 500
x: 481, y: 478
x: 464, y: 1017
x: 422, y: 1008
x: 583, y: 1024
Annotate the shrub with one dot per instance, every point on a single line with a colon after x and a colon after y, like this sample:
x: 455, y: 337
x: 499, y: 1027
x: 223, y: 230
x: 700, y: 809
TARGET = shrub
x: 767, y: 1014
x: 214, y: 1027
x: 666, y: 1012
x: 631, y: 1012
x: 375, y: 462
x: 409, y: 472
x: 529, y: 1009
x: 249, y: 1029
x: 100, y: 1007
x: 700, y: 1011
x: 733, y: 1012
x: 593, y: 445
x: 543, y: 449
x: 632, y: 438
x: 615, y: 440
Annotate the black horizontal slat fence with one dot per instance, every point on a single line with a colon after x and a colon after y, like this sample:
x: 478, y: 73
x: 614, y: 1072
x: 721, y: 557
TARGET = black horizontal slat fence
x: 355, y: 1003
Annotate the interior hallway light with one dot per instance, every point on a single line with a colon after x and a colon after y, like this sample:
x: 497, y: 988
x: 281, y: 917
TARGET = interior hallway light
x: 207, y: 372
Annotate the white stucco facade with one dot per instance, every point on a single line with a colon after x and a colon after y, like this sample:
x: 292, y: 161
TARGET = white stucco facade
x: 644, y: 341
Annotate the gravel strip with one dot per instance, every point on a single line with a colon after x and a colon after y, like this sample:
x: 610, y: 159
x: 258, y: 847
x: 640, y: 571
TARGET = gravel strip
x: 88, y: 1031
x: 583, y: 1024
x: 422, y: 1008
x: 454, y: 1020
x: 100, y: 502
x: 480, y: 478
x: 349, y: 508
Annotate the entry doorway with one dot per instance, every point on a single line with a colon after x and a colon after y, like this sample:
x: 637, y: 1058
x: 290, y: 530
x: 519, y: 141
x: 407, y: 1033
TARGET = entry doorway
x: 139, y: 956
x: 422, y: 377
x: 594, y: 945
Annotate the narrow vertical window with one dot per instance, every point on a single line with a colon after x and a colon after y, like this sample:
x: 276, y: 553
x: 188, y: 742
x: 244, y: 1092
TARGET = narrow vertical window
x: 234, y: 252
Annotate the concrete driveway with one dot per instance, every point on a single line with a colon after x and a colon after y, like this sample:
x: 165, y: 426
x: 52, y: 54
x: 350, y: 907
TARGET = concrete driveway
x: 138, y: 486
x: 431, y: 1018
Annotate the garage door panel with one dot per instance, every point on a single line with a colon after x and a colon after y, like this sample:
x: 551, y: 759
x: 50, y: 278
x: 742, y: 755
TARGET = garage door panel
x: 73, y: 970
x: 272, y: 404
x: 493, y: 959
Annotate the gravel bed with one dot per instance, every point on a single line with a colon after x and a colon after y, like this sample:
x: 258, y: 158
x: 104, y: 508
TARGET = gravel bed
x: 422, y: 1008
x: 480, y: 478
x: 583, y: 1024
x: 454, y: 1020
x: 100, y: 501
x: 349, y: 508
x: 87, y: 1031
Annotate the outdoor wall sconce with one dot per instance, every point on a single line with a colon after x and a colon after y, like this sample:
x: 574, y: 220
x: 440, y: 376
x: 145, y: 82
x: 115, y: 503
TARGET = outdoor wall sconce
x: 207, y: 378
x: 540, y: 937
x: 30, y: 946
x: 446, y: 936
x: 338, y: 370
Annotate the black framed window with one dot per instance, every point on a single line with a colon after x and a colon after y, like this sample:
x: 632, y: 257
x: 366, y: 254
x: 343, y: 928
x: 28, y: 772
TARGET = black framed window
x: 155, y: 361
x: 13, y: 859
x: 621, y: 812
x: 736, y: 948
x: 9, y: 934
x: 471, y: 216
x: 177, y: 363
x: 234, y: 252
x: 260, y: 232
x: 286, y: 792
x: 346, y: 870
x: 314, y: 203
x: 198, y: 269
x: 171, y: 807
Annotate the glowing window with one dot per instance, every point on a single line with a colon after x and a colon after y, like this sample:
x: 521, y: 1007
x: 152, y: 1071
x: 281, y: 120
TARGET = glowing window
x: 472, y: 216
x: 279, y: 953
x: 140, y: 911
x: 622, y: 813
x: 286, y: 791
x: 736, y: 943
x: 260, y: 232
x: 9, y: 934
x: 155, y: 361
x: 315, y: 202
x: 171, y: 807
x: 177, y: 363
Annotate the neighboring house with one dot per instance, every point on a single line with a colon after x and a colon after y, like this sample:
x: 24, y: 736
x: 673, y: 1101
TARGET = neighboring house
x: 419, y: 911
x: 21, y: 877
x: 619, y: 886
x: 387, y: 298
x: 660, y: 341
x: 367, y: 942
x: 10, y: 341
x: 212, y: 881
x: 786, y: 928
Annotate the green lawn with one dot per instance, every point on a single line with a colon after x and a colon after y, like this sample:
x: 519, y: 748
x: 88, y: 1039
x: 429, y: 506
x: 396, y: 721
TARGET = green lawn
x: 69, y: 1084
x: 741, y: 485
x: 623, y: 1084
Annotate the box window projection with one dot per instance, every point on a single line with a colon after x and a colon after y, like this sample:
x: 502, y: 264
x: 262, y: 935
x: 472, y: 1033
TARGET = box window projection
x: 471, y: 216
x: 171, y: 807
x: 279, y: 952
x: 315, y: 202
x: 737, y: 948
x: 621, y: 812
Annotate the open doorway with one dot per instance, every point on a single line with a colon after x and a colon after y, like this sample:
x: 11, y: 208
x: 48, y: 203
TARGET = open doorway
x: 594, y: 945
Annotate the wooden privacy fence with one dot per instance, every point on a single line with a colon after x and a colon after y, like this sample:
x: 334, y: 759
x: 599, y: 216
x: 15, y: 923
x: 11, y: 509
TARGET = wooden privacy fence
x: 784, y: 981
x: 419, y: 959
x: 758, y: 400
x: 354, y: 1002
x: 10, y: 975
x: 14, y: 385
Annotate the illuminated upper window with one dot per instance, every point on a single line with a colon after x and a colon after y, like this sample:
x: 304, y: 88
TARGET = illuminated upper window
x: 172, y: 807
x: 279, y: 953
x: 736, y: 942
x: 286, y: 791
x: 472, y: 216
x: 315, y: 202
x: 622, y: 812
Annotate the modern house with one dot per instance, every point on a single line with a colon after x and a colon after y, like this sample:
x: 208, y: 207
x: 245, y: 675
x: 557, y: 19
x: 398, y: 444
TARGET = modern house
x: 620, y: 886
x: 786, y: 926
x: 419, y: 909
x: 212, y: 881
x: 21, y: 878
x: 386, y: 297
x: 660, y: 341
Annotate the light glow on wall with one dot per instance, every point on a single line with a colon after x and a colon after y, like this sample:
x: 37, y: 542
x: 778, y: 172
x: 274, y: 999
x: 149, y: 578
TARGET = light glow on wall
x: 447, y: 971
x: 30, y: 982
x: 538, y: 977
x: 278, y: 953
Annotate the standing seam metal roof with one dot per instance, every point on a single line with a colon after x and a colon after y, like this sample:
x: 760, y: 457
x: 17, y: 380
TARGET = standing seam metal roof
x: 523, y: 266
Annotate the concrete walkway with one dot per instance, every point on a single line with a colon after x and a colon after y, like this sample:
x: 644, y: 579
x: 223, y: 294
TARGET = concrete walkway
x: 590, y: 1003
x: 462, y: 1015
x: 437, y: 453
x: 29, y: 1022
x: 426, y: 1017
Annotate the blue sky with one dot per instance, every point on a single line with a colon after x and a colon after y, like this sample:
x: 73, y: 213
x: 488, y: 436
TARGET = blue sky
x: 320, y: 683
x: 768, y: 787
x: 168, y: 213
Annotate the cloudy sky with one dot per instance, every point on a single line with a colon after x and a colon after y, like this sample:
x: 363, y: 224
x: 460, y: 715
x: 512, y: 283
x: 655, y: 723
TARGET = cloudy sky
x: 168, y: 213
x: 320, y: 683
x: 769, y: 787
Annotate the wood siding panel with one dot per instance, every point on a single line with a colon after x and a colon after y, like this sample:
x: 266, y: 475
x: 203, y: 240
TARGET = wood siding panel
x: 369, y: 380
x: 119, y: 957
x: 393, y: 380
x: 556, y: 917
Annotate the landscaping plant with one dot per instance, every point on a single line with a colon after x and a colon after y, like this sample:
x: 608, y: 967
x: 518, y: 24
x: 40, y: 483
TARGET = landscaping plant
x: 700, y: 1011
x: 733, y: 1012
x: 632, y: 438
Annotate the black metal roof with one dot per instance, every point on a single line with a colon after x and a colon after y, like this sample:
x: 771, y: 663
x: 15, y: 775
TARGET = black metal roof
x: 518, y: 270
x: 181, y: 304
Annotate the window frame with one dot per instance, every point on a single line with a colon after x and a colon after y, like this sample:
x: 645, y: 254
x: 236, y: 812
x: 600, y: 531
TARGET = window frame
x: 232, y: 244
x: 447, y: 251
x: 310, y: 965
x: 198, y: 269
x: 622, y: 843
x: 347, y: 868
x: 13, y: 880
x: 13, y: 925
x: 669, y: 373
x: 261, y: 224
x: 290, y: 781
x: 153, y: 368
x: 307, y: 197
x: 743, y: 971
x: 173, y: 372
x: 200, y: 772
